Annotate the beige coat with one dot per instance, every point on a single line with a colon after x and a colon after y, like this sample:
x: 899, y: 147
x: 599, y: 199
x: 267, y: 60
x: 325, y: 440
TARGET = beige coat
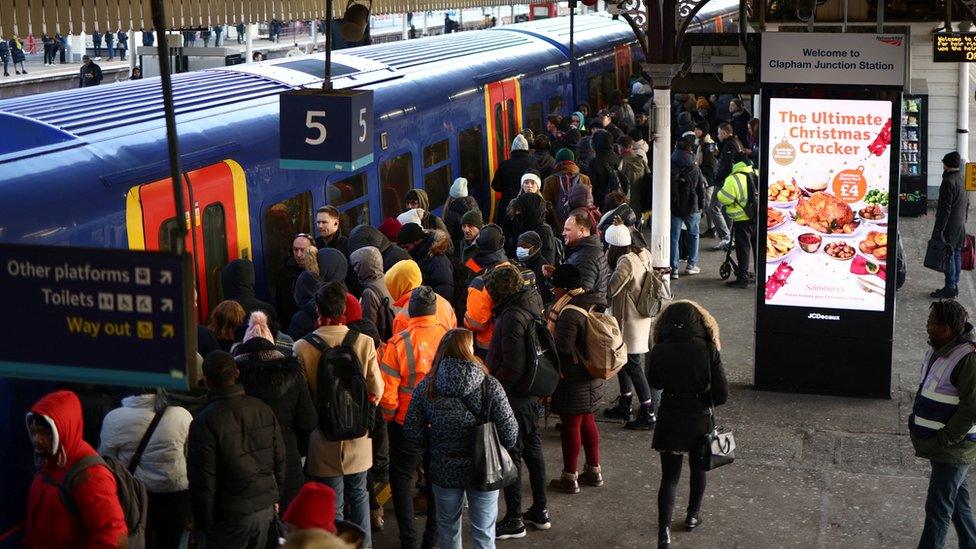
x: 348, y: 457
x: 624, y: 287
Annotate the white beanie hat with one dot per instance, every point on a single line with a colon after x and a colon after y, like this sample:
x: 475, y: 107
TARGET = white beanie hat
x: 535, y: 177
x: 520, y: 143
x: 460, y: 188
x: 415, y: 215
x: 618, y: 235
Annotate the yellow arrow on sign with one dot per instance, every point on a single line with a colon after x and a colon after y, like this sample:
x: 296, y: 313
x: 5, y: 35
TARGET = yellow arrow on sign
x: 168, y: 331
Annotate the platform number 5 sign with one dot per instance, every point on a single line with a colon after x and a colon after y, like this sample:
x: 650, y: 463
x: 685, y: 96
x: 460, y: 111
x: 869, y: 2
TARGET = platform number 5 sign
x: 326, y: 131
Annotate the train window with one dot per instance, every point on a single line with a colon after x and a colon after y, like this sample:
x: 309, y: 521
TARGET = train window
x: 355, y: 216
x: 593, y: 87
x: 500, y: 142
x: 534, y: 119
x: 436, y: 183
x: 170, y: 239
x: 396, y: 178
x: 471, y: 161
x: 436, y: 153
x: 215, y: 254
x: 346, y: 190
x: 556, y: 104
x: 513, y: 125
x: 609, y: 84
x: 282, y: 221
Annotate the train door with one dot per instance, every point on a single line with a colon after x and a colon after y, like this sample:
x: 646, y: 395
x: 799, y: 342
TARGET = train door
x: 503, y: 116
x: 216, y: 216
x: 622, y: 63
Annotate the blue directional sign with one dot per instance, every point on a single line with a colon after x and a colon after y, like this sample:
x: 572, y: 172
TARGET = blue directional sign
x: 328, y: 131
x: 95, y: 316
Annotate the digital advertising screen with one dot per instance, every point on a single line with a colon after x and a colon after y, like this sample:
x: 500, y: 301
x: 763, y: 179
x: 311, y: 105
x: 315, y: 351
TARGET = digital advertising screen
x: 828, y: 177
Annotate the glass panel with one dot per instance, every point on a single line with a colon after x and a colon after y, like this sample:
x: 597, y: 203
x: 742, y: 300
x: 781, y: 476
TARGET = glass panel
x: 593, y: 87
x: 436, y: 153
x: 346, y: 190
x: 534, y: 119
x: 556, y: 105
x: 282, y: 221
x: 170, y: 239
x: 471, y: 161
x: 609, y: 82
x: 214, y: 249
x: 500, y: 146
x: 513, y: 126
x: 396, y: 178
x: 355, y: 216
x: 437, y: 183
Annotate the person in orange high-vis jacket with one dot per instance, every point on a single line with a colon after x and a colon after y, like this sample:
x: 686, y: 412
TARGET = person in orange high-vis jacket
x: 403, y: 278
x: 477, y: 314
x: 406, y: 360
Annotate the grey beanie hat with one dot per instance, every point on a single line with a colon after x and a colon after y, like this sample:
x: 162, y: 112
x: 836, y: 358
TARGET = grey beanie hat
x: 423, y: 302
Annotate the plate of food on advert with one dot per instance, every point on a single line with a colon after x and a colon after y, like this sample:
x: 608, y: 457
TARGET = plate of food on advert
x: 874, y: 213
x: 826, y: 215
x: 784, y: 194
x: 839, y: 250
x: 775, y: 218
x: 779, y: 246
x: 874, y: 247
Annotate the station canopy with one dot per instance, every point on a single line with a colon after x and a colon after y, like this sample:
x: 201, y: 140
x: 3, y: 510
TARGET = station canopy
x: 24, y: 17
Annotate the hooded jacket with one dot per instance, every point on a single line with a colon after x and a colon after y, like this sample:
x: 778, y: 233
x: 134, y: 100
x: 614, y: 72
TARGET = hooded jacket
x: 453, y: 214
x: 436, y: 268
x: 163, y: 465
x: 507, y: 357
x: 403, y: 279
x: 531, y: 215
x: 333, y: 266
x: 237, y: 283
x: 508, y: 179
x: 430, y: 221
x: 279, y: 382
x: 691, y: 186
x: 367, y: 235
x: 446, y: 424
x: 303, y: 321
x: 407, y: 358
x: 601, y: 164
x: 587, y: 256
x: 235, y: 457
x: 952, y: 211
x: 100, y: 522
x: 634, y: 168
x: 544, y: 162
x: 734, y: 194
x: 368, y: 265
x: 577, y: 392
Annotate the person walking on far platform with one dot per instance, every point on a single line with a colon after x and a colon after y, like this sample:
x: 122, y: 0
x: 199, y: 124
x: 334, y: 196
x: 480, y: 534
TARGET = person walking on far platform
x: 685, y: 364
x: 97, y: 43
x: 123, y: 44
x: 110, y: 44
x: 942, y: 424
x: 5, y: 56
x: 950, y: 221
x: 90, y: 73
x: 17, y: 54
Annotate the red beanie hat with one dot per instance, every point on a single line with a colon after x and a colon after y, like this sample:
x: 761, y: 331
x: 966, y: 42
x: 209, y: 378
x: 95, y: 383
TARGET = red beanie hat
x: 390, y: 227
x: 354, y: 311
x: 313, y: 507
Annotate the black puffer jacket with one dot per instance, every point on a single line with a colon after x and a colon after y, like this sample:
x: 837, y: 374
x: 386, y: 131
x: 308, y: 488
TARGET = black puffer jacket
x: 508, y: 179
x: 435, y: 266
x: 679, y: 365
x: 535, y: 262
x: 452, y: 217
x: 507, y: 351
x: 279, y: 382
x: 450, y: 435
x: 577, y: 392
x: 235, y: 457
x: 600, y: 166
x: 587, y: 256
x: 626, y: 214
x: 367, y: 235
x: 237, y: 283
x: 530, y: 213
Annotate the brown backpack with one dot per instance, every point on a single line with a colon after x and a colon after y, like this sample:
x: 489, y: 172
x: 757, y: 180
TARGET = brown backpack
x: 606, y: 352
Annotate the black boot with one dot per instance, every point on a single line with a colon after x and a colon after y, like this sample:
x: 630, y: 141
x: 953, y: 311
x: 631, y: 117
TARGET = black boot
x: 664, y: 538
x: 621, y: 410
x: 693, y: 520
x: 645, y: 419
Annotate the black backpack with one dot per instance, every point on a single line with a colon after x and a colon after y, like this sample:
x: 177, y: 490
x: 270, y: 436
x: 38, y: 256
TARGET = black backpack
x: 384, y: 322
x: 542, y: 362
x: 616, y: 181
x: 566, y: 183
x: 751, y: 207
x: 341, y: 396
x: 683, y: 197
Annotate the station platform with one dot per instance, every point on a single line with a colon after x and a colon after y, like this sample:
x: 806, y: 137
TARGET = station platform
x: 810, y: 471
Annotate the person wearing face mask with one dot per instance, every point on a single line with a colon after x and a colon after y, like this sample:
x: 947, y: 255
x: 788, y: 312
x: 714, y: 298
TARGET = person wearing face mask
x: 942, y: 421
x: 529, y: 254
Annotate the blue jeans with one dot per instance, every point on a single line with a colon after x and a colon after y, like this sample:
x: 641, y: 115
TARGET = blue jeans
x: 692, y: 221
x: 482, y: 512
x: 952, y: 273
x: 352, y: 487
x: 948, y: 500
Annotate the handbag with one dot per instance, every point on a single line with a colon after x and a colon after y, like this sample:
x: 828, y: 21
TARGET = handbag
x: 937, y: 255
x: 717, y: 447
x: 493, y: 466
x: 969, y: 253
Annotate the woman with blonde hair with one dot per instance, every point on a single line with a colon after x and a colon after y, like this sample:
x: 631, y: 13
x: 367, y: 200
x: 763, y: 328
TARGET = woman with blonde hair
x: 225, y: 319
x: 686, y: 366
x: 310, y: 260
x: 446, y: 406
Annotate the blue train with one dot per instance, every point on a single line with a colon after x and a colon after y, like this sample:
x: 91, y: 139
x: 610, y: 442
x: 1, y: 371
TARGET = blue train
x: 89, y: 167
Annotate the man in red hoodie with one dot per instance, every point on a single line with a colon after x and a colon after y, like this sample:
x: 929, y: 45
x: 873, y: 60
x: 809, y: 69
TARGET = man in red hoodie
x: 55, y: 427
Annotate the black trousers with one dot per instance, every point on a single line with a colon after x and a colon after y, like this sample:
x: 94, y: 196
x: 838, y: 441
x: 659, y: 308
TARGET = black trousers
x: 404, y: 460
x: 745, y: 245
x: 527, y: 449
x: 169, y: 516
x: 670, y: 474
x: 248, y: 532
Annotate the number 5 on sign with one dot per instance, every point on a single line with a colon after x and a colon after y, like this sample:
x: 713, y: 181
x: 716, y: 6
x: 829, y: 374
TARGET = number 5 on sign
x: 328, y: 131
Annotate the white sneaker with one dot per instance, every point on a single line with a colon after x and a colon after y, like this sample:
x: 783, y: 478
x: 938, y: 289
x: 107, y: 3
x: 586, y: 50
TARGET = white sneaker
x: 723, y: 244
x: 693, y: 270
x: 674, y: 275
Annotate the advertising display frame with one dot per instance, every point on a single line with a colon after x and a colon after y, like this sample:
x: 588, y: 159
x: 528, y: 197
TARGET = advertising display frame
x: 825, y: 350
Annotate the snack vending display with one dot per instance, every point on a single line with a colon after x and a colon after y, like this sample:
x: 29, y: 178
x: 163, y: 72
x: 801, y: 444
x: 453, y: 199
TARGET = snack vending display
x: 913, y: 157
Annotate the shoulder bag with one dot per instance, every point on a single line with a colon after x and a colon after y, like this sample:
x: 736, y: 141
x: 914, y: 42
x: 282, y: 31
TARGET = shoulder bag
x: 493, y: 467
x: 717, y: 447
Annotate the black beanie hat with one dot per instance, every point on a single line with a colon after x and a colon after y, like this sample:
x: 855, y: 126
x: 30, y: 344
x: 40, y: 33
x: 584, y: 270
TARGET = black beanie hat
x: 490, y: 239
x: 531, y: 238
x: 423, y: 302
x: 566, y: 277
x: 409, y: 233
x: 952, y: 160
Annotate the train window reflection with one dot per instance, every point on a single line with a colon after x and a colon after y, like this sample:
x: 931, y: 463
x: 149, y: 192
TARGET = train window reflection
x: 534, y: 118
x: 215, y: 254
x: 500, y: 142
x: 556, y: 104
x: 170, y: 239
x: 437, y: 183
x: 282, y: 221
x: 354, y: 216
x: 346, y: 190
x: 513, y: 125
x: 436, y: 153
x: 472, y: 164
x: 396, y: 178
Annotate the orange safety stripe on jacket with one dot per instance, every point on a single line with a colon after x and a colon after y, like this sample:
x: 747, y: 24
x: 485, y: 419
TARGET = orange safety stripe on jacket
x: 445, y: 313
x: 477, y: 315
x: 406, y: 360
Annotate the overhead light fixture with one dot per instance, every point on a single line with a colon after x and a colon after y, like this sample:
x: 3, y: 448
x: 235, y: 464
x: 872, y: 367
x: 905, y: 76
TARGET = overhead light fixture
x: 354, y: 21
